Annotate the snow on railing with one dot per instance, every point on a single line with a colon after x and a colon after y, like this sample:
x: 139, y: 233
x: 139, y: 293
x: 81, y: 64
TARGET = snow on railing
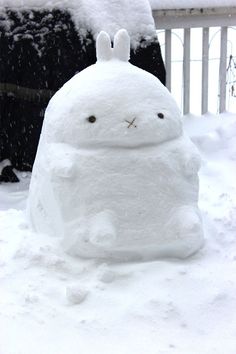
x: 204, y: 18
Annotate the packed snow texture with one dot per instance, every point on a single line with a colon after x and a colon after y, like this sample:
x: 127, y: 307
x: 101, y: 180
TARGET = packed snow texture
x: 53, y: 303
x: 189, y: 4
x: 114, y: 175
x: 97, y: 15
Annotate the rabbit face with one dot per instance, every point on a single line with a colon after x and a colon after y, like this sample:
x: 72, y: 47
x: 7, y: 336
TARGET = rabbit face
x: 112, y: 103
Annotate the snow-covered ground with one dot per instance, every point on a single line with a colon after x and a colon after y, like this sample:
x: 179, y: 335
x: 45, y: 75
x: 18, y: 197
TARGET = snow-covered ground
x: 52, y: 303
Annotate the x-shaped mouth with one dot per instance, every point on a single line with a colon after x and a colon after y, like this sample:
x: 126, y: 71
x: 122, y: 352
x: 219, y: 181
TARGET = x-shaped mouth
x: 131, y: 123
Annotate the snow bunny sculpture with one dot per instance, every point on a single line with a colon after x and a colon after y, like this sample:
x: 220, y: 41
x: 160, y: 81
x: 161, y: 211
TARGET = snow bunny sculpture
x: 114, y: 174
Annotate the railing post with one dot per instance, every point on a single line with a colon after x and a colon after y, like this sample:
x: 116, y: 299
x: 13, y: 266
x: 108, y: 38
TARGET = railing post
x: 222, y: 73
x: 186, y: 70
x: 168, y: 58
x: 205, y: 65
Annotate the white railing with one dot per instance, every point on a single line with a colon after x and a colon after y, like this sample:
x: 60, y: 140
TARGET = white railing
x: 204, y: 18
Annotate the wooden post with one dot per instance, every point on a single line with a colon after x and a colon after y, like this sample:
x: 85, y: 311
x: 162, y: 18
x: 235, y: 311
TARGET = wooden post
x: 222, y: 73
x: 168, y: 58
x: 186, y: 70
x: 205, y: 65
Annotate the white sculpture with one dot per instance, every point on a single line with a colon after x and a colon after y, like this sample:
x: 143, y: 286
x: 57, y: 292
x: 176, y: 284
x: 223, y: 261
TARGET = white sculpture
x: 114, y: 174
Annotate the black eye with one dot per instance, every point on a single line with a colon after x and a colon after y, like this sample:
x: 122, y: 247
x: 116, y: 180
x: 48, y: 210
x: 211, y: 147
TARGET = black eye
x: 91, y: 119
x: 160, y: 115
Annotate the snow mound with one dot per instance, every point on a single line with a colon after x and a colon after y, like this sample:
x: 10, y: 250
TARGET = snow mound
x: 114, y: 175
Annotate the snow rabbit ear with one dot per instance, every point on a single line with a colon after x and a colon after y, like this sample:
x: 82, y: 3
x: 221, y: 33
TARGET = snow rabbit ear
x: 121, y: 49
x: 103, y: 46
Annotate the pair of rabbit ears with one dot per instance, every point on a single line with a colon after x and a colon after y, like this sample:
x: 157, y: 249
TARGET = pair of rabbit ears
x: 120, y: 50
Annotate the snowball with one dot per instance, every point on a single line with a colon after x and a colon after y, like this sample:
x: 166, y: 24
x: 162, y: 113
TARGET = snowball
x: 75, y: 294
x: 107, y: 276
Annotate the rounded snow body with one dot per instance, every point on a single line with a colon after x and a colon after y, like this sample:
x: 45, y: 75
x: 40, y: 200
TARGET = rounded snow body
x: 112, y: 94
x: 114, y: 175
